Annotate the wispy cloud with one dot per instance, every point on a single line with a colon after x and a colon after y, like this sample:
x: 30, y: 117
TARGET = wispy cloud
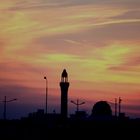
x: 42, y: 4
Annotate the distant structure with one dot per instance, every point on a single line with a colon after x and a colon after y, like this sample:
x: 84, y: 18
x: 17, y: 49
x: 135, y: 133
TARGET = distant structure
x: 115, y: 107
x: 79, y: 115
x: 77, y: 103
x: 101, y: 110
x: 120, y: 100
x: 118, y: 112
x: 64, y: 85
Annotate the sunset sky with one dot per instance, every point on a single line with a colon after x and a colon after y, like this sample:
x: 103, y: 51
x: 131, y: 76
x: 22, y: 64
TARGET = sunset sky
x: 97, y: 41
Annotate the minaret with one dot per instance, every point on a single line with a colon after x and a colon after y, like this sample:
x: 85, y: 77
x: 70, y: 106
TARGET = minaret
x: 64, y: 85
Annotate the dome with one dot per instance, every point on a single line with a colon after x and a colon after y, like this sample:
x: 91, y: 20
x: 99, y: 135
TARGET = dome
x: 101, y: 108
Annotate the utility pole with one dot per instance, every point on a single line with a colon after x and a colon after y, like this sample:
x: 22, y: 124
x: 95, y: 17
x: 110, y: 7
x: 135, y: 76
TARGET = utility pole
x: 5, y: 106
x: 120, y: 100
x: 46, y: 107
x: 4, y: 112
x: 77, y: 103
x: 115, y: 107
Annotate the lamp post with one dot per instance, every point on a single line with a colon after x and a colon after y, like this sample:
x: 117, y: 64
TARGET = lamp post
x: 120, y: 100
x: 115, y: 107
x: 5, y: 106
x: 77, y: 104
x: 46, y: 93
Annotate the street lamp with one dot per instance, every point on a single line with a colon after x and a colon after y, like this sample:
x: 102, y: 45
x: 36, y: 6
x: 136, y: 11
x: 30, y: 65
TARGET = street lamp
x: 46, y: 93
x: 77, y: 104
x: 120, y: 100
x: 5, y: 105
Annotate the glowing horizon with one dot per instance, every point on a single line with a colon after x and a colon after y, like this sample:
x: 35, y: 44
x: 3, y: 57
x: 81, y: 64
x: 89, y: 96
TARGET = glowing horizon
x: 97, y: 42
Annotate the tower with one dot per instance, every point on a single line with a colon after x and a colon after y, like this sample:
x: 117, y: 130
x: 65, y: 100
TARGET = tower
x: 64, y: 85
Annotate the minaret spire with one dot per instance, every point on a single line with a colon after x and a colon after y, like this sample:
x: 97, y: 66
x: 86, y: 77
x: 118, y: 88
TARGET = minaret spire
x: 64, y: 85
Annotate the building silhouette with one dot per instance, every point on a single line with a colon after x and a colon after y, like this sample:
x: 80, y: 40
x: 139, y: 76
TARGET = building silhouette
x: 64, y: 85
x: 101, y: 110
x: 79, y: 115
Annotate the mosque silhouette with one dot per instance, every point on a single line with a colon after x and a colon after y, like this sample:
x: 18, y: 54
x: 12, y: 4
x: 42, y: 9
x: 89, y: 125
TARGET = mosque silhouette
x: 100, y: 111
x: 101, y: 123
